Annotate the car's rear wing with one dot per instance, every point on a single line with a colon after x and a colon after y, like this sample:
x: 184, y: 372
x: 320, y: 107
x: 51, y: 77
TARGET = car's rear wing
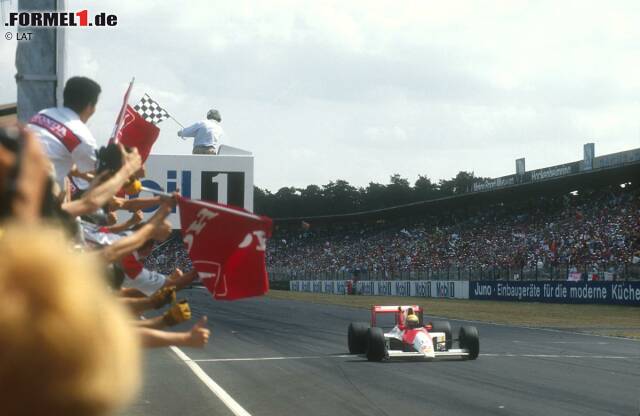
x: 400, y: 311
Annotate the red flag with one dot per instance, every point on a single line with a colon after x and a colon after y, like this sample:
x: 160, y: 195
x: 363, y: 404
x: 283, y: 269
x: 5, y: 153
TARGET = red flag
x: 227, y: 248
x: 137, y: 132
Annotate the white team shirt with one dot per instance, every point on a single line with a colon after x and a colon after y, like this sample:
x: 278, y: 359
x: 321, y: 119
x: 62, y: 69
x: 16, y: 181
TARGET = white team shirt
x: 77, y: 148
x: 205, y: 133
x: 137, y: 277
x: 147, y: 282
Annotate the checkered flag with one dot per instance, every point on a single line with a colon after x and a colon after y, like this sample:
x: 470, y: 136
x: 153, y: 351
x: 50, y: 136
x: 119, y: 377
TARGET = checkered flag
x: 151, y: 110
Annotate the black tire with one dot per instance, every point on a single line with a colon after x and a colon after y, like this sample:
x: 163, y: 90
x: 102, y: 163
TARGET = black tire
x: 376, y: 347
x: 443, y: 326
x: 357, y: 337
x: 470, y: 340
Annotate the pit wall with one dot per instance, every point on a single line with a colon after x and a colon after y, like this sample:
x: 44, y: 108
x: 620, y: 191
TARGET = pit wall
x: 609, y: 293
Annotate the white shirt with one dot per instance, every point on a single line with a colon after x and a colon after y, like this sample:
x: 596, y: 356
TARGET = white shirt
x: 147, y: 282
x: 66, y: 141
x: 94, y: 236
x: 137, y: 277
x: 206, y: 133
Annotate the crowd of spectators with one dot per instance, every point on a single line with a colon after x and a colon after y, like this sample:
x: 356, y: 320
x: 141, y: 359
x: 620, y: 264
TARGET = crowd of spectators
x: 73, y: 279
x: 586, y: 231
x: 169, y: 255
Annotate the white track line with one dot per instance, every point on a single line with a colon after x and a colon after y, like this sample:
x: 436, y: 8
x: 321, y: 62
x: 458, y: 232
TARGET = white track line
x: 602, y: 357
x: 312, y: 357
x: 235, y: 408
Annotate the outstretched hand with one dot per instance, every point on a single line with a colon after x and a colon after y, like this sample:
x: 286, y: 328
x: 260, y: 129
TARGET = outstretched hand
x: 131, y: 160
x: 199, y: 334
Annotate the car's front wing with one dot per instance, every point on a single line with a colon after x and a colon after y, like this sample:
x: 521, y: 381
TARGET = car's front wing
x: 452, y: 353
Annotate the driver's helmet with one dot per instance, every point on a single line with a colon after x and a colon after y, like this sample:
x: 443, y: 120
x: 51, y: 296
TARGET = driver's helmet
x: 412, y: 321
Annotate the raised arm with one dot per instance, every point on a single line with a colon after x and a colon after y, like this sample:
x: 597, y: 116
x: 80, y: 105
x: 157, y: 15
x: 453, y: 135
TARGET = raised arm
x: 157, y: 228
x: 99, y: 195
x: 197, y: 337
x: 135, y: 219
x: 190, y: 131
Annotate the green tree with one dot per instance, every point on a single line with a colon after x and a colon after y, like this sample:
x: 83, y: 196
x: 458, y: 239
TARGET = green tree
x: 262, y: 201
x: 398, y: 191
x: 374, y: 196
x: 341, y: 196
x: 424, y: 189
x: 313, y: 200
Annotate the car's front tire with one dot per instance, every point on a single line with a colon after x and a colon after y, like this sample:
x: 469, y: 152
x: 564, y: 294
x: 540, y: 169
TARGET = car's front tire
x: 376, y: 346
x: 357, y: 337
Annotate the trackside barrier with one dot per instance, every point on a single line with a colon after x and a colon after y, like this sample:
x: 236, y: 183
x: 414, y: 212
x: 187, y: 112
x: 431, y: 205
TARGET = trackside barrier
x: 611, y: 293
x: 421, y: 288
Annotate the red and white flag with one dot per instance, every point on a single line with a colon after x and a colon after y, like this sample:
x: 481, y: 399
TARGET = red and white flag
x: 227, y: 247
x: 137, y: 132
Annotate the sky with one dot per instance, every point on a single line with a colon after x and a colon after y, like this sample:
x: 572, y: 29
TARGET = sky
x: 362, y: 90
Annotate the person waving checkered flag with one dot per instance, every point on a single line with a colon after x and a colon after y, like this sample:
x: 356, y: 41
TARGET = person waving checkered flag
x: 151, y: 110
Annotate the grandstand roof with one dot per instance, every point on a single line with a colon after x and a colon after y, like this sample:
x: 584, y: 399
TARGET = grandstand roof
x: 611, y: 169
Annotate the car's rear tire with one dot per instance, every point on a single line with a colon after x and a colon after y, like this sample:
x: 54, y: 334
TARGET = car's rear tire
x: 357, y: 337
x: 443, y: 326
x: 470, y: 340
x: 376, y: 346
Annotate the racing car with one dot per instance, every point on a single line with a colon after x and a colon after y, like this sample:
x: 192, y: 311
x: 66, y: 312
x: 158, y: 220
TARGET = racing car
x: 410, y: 338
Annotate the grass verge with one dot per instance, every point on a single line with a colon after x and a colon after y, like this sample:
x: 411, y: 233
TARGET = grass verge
x: 622, y: 321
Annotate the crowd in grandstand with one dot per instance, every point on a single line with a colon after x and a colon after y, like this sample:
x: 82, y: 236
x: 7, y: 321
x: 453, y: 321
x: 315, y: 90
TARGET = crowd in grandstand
x: 589, y: 231
x: 169, y: 255
x: 586, y: 231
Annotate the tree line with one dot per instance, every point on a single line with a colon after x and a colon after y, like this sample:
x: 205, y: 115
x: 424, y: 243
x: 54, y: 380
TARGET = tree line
x: 340, y: 197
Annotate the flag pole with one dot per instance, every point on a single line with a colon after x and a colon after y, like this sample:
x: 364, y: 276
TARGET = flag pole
x: 205, y: 204
x: 172, y: 117
x: 176, y: 121
x: 123, y: 109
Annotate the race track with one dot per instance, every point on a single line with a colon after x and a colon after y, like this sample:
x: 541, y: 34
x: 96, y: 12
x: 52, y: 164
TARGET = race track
x: 276, y: 357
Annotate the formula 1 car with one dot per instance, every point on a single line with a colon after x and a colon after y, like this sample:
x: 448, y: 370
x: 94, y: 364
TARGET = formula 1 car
x: 410, y: 340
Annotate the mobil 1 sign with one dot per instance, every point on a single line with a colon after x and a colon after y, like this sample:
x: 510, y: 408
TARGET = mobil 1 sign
x: 612, y: 293
x: 226, y: 179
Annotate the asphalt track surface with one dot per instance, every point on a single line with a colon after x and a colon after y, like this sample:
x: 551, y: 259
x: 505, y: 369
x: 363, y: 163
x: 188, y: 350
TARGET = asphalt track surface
x: 277, y: 357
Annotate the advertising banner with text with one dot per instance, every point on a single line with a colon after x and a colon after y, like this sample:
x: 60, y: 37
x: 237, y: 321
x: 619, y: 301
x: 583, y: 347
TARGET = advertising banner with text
x: 612, y: 293
x: 422, y: 288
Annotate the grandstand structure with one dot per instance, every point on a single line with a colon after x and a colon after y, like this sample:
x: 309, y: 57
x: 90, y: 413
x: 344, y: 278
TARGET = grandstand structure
x: 578, y: 218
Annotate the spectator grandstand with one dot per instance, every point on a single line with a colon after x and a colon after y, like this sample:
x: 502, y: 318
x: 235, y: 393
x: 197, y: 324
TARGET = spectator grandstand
x: 593, y: 231
x: 169, y: 255
x: 578, y: 220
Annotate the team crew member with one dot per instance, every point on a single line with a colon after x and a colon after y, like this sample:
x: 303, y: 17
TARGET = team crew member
x: 63, y: 132
x: 207, y: 134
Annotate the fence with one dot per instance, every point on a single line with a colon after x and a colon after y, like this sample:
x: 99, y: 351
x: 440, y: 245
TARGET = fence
x: 625, y: 271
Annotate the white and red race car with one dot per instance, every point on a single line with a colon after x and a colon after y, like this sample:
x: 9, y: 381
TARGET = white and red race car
x: 418, y: 341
